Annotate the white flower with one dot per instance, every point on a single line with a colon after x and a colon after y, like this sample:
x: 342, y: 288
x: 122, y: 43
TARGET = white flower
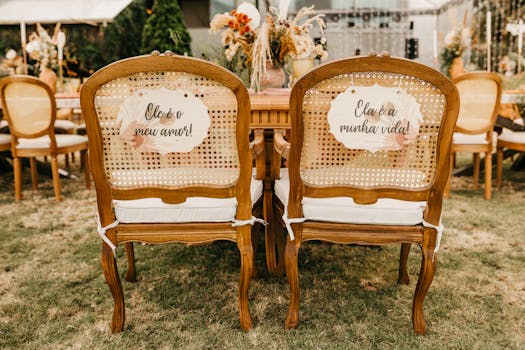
x: 252, y: 12
x: 33, y: 45
x: 10, y: 55
x: 449, y: 38
x: 218, y: 22
x: 283, y: 9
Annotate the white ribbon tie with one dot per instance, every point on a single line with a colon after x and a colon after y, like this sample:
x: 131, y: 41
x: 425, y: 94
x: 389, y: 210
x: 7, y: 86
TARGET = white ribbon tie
x: 251, y: 222
x: 439, y: 228
x: 102, y: 233
x: 288, y: 223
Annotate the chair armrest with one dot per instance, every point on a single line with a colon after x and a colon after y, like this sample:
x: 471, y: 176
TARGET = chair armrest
x: 257, y: 150
x: 281, y: 149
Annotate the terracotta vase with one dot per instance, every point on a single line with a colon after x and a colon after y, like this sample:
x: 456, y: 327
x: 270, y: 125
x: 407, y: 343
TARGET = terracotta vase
x: 456, y: 68
x: 274, y: 77
x: 48, y: 76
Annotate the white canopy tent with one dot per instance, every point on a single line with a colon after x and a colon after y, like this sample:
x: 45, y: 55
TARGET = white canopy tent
x: 64, y: 11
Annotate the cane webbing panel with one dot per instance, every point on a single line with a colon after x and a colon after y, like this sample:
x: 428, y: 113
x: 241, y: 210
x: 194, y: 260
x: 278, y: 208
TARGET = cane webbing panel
x: 478, y: 100
x: 214, y: 162
x: 29, y: 107
x: 327, y: 162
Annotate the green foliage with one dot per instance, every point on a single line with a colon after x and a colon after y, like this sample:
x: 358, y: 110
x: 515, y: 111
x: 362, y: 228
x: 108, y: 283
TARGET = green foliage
x: 123, y: 37
x: 10, y: 39
x: 85, y: 45
x: 53, y: 294
x: 446, y: 57
x: 165, y: 29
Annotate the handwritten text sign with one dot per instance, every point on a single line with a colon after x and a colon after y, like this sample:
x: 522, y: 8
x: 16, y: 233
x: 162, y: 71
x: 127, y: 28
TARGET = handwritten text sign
x: 163, y: 121
x: 374, y: 118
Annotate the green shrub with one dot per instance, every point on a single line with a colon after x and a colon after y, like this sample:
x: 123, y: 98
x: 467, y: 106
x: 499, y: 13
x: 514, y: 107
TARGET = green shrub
x: 165, y: 29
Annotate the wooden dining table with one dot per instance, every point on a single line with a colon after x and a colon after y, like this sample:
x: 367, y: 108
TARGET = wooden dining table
x: 269, y: 107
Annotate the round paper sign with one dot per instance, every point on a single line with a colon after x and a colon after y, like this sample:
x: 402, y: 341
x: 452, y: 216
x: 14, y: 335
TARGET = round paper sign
x: 163, y: 121
x: 374, y: 118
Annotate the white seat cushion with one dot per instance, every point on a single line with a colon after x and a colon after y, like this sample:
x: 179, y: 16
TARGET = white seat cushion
x: 62, y: 124
x: 478, y: 139
x: 65, y: 124
x: 5, y: 139
x: 514, y: 137
x: 385, y: 211
x: 45, y: 142
x: 194, y: 209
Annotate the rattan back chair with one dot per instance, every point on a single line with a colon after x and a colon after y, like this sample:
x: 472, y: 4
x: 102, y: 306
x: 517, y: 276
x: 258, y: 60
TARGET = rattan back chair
x: 480, y: 94
x: 508, y: 140
x: 357, y: 194
x: 30, y: 109
x: 148, y: 196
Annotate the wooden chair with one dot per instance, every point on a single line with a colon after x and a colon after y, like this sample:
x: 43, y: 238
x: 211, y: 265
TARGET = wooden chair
x: 480, y: 94
x: 193, y: 196
x: 355, y: 195
x: 30, y: 109
x: 507, y: 140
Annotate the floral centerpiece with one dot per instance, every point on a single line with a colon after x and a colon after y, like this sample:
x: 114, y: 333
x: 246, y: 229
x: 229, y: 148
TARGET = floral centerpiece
x: 42, y: 49
x: 456, y: 42
x: 238, y: 31
x: 277, y: 39
x: 11, y: 64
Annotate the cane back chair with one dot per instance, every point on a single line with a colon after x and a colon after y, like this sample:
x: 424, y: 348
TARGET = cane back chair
x: 30, y: 109
x: 480, y: 94
x: 353, y: 195
x: 509, y: 140
x: 194, y: 196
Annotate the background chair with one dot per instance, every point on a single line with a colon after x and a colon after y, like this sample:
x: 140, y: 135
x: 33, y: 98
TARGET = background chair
x: 30, y: 109
x: 191, y: 197
x: 507, y: 140
x: 351, y: 195
x: 480, y: 94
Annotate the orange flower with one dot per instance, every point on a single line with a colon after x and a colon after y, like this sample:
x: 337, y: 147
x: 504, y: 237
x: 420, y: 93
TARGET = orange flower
x: 236, y: 25
x: 247, y: 28
x: 230, y: 23
x: 233, y: 12
x: 245, y: 18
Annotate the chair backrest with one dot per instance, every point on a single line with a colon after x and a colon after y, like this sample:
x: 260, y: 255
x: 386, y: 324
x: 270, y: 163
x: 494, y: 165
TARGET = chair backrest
x: 140, y: 149
x: 480, y: 94
x: 371, y: 127
x: 29, y: 106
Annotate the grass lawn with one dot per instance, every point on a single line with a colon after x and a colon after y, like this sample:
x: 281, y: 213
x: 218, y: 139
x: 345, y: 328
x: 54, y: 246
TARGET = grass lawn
x: 53, y: 294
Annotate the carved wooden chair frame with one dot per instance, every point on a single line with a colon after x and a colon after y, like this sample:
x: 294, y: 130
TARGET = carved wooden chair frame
x: 188, y: 233
x: 52, y: 151
x: 426, y: 236
x: 488, y: 129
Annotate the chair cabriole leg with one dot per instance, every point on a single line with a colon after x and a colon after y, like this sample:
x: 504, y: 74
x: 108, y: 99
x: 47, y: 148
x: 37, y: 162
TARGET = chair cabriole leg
x: 34, y: 173
x: 426, y: 275
x: 246, y: 251
x: 271, y: 259
x: 109, y: 267
x: 56, y: 178
x: 292, y: 273
x: 17, y: 171
x: 488, y: 176
x: 403, y: 258
x: 131, y: 274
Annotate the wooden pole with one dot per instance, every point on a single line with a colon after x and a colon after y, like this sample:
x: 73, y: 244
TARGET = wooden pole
x: 23, y: 41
